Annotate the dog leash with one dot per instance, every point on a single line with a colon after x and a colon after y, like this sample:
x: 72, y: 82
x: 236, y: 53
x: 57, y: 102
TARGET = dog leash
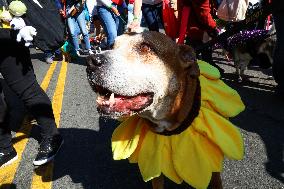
x: 124, y: 22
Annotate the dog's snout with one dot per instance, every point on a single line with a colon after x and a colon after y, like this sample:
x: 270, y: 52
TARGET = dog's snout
x: 99, y: 59
x: 94, y: 61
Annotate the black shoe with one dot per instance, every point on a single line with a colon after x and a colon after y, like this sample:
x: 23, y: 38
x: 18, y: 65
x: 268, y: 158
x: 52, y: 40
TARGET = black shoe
x: 58, y: 57
x: 8, y: 158
x: 48, y: 149
x: 80, y: 52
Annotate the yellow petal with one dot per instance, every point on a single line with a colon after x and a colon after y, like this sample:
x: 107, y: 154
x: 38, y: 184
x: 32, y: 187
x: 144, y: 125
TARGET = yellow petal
x: 221, y: 132
x: 168, y: 168
x: 144, y: 129
x: 165, y: 159
x: 125, y: 138
x: 221, y: 97
x: 190, y: 159
x: 215, y: 155
x: 150, y: 155
x: 208, y: 71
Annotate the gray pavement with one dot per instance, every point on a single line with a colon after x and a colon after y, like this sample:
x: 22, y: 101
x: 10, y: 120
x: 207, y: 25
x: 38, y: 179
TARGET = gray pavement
x: 85, y: 160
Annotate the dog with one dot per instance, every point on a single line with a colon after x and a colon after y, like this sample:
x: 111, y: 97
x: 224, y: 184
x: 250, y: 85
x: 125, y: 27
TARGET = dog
x: 259, y: 51
x: 149, y: 80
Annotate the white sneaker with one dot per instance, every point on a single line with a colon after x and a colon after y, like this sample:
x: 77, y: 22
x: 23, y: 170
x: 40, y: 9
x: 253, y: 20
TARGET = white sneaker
x: 79, y: 52
x: 90, y: 52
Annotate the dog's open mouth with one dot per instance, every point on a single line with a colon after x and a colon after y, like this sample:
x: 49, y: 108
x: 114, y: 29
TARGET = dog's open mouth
x: 110, y: 103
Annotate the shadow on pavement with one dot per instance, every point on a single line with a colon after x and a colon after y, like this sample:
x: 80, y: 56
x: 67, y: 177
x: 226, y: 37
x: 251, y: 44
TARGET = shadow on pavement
x: 86, y: 158
x: 264, y: 115
x: 8, y: 186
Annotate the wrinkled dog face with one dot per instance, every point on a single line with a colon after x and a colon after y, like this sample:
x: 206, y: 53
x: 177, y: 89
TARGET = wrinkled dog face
x: 142, y: 74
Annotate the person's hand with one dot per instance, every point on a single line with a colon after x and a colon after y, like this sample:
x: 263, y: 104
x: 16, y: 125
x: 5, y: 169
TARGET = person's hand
x: 115, y: 11
x: 62, y: 13
x: 134, y: 26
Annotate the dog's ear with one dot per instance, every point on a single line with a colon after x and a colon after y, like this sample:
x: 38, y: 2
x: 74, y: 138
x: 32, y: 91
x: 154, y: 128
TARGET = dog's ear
x: 188, y: 60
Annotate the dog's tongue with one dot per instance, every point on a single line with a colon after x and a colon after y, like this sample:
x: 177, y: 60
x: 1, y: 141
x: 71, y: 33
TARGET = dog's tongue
x: 123, y: 104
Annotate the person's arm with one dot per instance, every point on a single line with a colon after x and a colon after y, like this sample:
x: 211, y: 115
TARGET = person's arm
x: 134, y: 26
x: 137, y: 9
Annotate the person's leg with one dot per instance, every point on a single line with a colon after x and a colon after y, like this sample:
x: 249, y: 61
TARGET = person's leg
x: 278, y: 57
x: 48, y: 57
x: 58, y: 56
x: 107, y: 19
x: 159, y: 14
x: 83, y: 27
x: 72, y: 25
x: 5, y: 138
x: 150, y: 17
x: 17, y: 70
x: 5, y: 132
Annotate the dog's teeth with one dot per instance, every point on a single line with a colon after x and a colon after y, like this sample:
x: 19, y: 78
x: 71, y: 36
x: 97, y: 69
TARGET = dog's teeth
x: 105, y: 103
x: 111, y: 100
x: 99, y: 100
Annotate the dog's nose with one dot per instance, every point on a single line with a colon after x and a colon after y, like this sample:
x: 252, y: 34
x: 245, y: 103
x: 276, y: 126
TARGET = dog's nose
x: 94, y: 61
x: 99, y: 59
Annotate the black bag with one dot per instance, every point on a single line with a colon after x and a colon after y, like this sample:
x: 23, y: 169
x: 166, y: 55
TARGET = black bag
x: 44, y: 16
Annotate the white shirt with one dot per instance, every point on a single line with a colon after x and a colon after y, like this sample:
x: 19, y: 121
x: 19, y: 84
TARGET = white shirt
x: 104, y: 2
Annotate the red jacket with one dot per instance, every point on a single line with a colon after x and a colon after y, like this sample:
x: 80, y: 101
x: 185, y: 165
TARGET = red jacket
x: 200, y: 18
x: 118, y: 2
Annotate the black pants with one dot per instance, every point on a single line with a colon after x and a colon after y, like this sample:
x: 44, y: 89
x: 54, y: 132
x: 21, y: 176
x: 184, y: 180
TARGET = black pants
x: 17, y: 70
x: 278, y: 57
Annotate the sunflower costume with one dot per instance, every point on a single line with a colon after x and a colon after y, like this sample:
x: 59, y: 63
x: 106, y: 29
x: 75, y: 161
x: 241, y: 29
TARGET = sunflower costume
x: 195, y: 153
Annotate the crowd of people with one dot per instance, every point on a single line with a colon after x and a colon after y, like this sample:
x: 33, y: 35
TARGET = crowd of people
x: 91, y: 19
x: 85, y: 21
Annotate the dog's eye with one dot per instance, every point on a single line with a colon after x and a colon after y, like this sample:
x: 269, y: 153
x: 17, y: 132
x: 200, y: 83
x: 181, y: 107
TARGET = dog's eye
x: 144, y: 48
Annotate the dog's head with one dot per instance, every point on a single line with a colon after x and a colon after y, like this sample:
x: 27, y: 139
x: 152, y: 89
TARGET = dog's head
x: 146, y: 74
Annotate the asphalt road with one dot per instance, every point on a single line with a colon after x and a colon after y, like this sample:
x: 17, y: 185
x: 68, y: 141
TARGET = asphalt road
x: 85, y: 160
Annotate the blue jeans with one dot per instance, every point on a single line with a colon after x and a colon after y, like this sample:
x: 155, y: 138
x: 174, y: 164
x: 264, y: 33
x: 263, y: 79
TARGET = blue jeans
x: 110, y: 23
x: 75, y: 22
x: 153, y: 16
